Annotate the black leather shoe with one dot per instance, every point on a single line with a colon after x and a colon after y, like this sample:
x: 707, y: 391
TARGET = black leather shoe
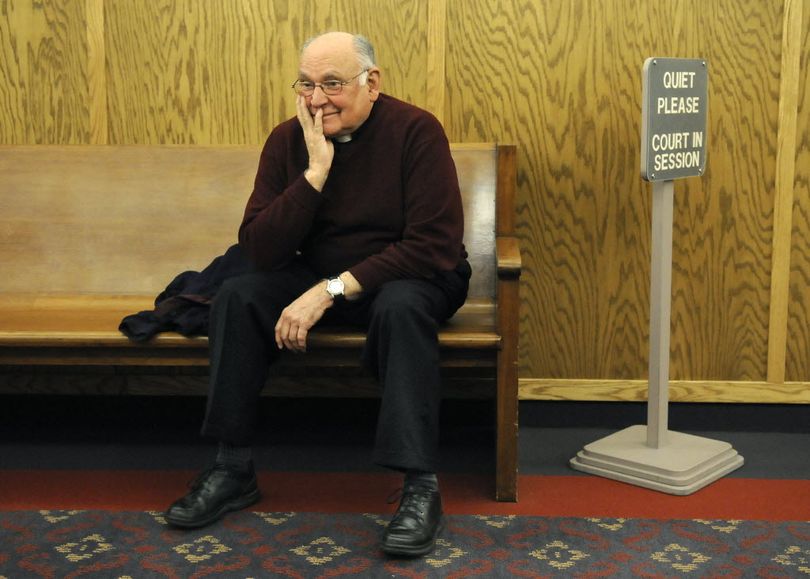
x: 418, y: 521
x: 217, y: 491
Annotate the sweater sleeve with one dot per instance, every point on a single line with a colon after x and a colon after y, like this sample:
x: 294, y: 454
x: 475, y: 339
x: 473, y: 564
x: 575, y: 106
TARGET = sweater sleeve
x: 278, y: 215
x: 434, y: 223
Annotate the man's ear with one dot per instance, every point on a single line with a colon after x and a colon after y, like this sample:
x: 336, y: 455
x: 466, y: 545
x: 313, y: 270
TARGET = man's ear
x: 373, y: 83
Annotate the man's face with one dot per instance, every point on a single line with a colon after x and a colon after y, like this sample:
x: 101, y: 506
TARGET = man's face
x: 334, y: 58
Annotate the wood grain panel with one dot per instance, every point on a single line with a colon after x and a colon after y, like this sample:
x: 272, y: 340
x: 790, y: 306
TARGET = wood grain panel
x: 43, y: 73
x: 797, y: 363
x: 783, y: 190
x: 188, y: 71
x: 436, y: 57
x: 724, y: 222
x: 563, y: 80
x: 193, y: 72
x: 97, y: 72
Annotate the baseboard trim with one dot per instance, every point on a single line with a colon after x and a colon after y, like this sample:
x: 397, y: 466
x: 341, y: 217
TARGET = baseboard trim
x: 679, y: 391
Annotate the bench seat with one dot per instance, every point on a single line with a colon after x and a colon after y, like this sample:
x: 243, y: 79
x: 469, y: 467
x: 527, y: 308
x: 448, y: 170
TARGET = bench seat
x: 34, y: 329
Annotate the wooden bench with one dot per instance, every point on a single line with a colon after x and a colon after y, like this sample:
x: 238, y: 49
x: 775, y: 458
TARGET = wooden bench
x: 91, y: 234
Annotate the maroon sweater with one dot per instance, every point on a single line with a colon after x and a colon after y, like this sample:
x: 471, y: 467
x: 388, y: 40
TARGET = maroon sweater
x: 390, y: 208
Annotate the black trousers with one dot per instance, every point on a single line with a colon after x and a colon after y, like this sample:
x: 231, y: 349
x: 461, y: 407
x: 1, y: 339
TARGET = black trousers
x: 402, y: 320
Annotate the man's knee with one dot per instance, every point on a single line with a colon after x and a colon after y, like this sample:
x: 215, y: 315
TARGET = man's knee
x: 244, y: 288
x: 263, y: 289
x: 401, y: 300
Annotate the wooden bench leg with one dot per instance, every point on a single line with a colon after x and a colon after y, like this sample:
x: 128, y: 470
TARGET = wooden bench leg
x: 508, y: 314
x: 507, y: 396
x: 507, y: 441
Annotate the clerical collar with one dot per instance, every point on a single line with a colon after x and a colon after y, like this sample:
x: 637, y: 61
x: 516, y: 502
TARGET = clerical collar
x: 343, y: 138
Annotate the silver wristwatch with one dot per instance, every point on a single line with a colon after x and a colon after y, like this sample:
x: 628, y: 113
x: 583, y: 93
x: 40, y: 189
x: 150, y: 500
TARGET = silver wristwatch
x: 336, y: 288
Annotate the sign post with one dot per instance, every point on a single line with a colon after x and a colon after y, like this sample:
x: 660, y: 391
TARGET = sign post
x: 673, y: 146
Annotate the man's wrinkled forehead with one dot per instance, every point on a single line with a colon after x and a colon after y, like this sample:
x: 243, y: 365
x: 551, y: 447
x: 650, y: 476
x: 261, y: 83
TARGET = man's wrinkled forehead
x: 328, y: 55
x: 310, y: 72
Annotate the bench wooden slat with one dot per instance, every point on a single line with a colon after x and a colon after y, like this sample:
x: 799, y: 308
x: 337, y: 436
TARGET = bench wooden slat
x: 126, y: 219
x: 83, y: 321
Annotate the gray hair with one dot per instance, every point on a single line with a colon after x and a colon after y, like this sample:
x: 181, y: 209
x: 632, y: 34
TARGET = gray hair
x: 365, y: 52
x: 363, y: 48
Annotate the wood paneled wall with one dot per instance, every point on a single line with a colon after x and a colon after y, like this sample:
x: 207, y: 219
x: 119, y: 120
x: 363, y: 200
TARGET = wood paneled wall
x: 562, y: 80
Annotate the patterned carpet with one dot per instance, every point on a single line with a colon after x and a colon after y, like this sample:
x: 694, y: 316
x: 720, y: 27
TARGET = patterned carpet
x: 135, y: 544
x: 81, y: 480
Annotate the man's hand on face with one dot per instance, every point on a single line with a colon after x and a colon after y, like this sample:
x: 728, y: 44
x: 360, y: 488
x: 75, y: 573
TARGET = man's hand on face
x: 298, y: 318
x: 321, y: 150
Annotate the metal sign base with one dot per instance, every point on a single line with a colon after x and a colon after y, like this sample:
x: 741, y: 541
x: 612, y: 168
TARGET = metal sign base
x: 652, y: 456
x: 684, y: 465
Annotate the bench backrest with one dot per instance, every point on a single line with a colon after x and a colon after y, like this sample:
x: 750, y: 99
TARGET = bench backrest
x: 127, y: 219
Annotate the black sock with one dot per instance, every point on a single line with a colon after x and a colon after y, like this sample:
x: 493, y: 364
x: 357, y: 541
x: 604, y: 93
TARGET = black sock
x: 238, y: 457
x: 426, y: 480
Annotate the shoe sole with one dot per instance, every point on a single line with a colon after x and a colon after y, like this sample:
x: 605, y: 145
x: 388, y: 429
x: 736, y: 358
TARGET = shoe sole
x: 237, y: 505
x: 414, y: 550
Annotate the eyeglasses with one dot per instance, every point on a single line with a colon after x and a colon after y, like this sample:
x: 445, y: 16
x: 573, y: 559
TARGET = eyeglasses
x: 330, y: 87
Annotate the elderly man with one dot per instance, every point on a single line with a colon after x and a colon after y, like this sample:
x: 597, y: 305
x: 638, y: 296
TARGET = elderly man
x: 355, y: 217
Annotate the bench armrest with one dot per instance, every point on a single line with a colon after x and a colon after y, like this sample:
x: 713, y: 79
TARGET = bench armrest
x: 507, y: 253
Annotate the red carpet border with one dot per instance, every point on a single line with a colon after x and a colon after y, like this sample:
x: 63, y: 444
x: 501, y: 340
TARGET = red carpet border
x: 54, y: 543
x: 549, y: 496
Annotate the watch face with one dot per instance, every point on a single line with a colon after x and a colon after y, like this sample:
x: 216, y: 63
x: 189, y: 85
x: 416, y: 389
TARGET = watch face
x: 335, y: 286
